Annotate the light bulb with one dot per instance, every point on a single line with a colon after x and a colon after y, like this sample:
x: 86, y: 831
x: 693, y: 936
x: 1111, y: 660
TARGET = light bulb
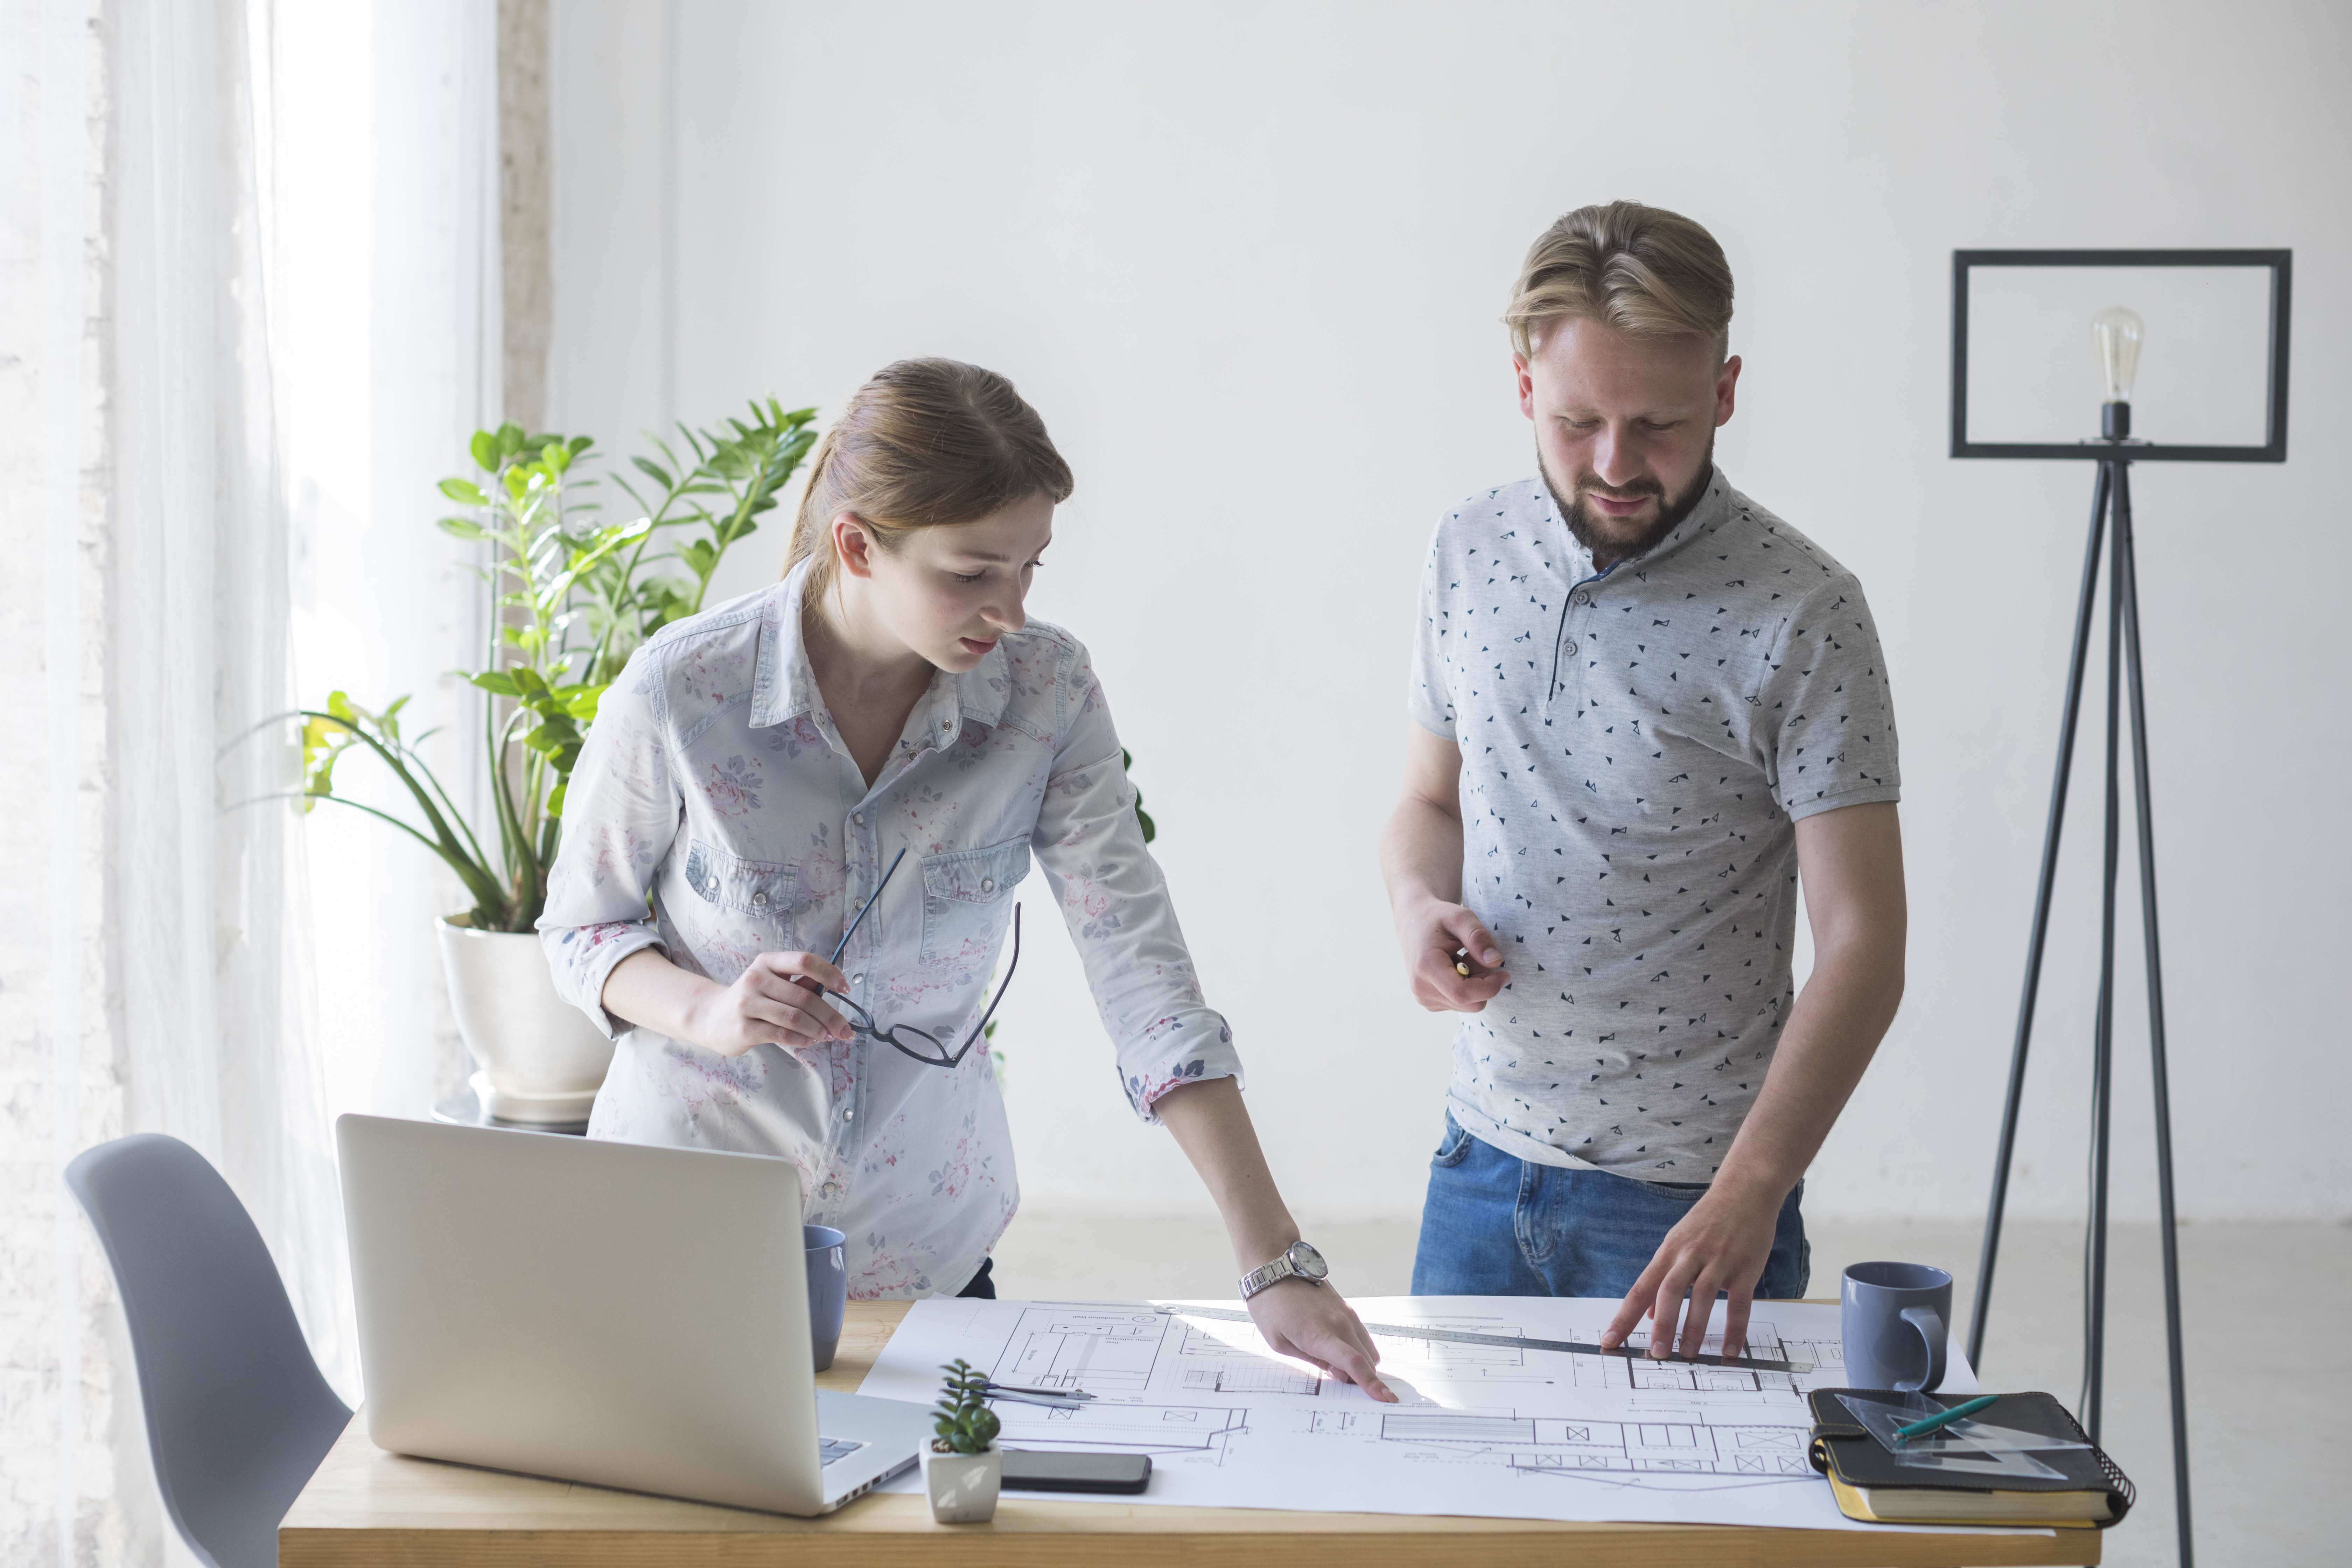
x: 2115, y: 340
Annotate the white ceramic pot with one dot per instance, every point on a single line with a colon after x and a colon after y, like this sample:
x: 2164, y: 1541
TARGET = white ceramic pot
x: 964, y: 1485
x: 542, y: 1060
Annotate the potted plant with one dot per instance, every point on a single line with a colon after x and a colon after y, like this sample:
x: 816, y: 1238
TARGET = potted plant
x: 962, y: 1466
x: 574, y: 596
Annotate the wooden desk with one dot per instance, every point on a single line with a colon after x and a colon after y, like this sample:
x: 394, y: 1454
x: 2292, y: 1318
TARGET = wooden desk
x: 368, y: 1507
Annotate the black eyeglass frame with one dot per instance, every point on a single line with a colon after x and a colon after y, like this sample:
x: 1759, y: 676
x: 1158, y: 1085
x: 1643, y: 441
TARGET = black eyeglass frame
x: 863, y: 1021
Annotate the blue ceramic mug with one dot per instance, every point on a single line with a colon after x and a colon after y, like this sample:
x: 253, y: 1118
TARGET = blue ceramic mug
x: 1895, y: 1319
x: 828, y: 1288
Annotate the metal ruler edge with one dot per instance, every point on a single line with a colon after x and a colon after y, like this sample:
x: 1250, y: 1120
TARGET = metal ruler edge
x: 1569, y: 1347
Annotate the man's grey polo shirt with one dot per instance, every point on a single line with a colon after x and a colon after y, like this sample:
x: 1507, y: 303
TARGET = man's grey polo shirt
x: 1636, y: 747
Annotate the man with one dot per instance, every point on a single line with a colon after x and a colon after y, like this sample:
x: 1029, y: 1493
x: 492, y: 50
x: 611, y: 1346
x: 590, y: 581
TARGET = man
x: 1644, y: 707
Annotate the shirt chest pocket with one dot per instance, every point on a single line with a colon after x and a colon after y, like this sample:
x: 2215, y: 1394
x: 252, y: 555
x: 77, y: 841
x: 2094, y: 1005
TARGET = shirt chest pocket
x: 964, y: 898
x: 759, y: 889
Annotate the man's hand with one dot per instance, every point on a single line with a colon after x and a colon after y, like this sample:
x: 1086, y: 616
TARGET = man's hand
x: 1852, y: 863
x: 1313, y: 1323
x: 1432, y: 932
x: 1421, y: 860
x: 1721, y: 1245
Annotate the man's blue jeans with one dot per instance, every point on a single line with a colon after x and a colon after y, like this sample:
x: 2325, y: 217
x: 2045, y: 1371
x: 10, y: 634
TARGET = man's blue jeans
x: 1496, y: 1225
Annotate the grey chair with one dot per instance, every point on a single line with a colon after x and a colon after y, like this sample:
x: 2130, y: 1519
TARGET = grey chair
x: 237, y: 1414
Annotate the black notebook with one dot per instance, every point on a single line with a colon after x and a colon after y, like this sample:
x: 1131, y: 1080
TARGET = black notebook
x: 1869, y: 1484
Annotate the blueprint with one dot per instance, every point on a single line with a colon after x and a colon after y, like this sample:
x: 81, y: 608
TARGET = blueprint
x: 1500, y: 1430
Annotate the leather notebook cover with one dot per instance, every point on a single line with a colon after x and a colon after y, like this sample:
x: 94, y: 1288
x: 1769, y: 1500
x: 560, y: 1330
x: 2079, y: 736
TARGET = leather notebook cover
x: 1842, y: 1451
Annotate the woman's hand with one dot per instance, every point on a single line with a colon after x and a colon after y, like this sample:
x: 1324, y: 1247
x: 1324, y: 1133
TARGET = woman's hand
x: 1314, y: 1323
x: 1296, y: 1317
x: 773, y: 1002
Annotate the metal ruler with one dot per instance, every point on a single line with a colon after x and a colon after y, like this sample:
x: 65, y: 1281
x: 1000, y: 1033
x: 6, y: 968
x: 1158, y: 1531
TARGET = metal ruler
x: 1514, y: 1342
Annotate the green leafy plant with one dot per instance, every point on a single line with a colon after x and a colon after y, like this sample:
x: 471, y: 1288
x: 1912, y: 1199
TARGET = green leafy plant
x: 575, y: 596
x: 1142, y: 817
x: 965, y: 1424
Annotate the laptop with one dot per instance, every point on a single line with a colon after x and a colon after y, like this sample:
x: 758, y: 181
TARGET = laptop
x: 616, y: 1313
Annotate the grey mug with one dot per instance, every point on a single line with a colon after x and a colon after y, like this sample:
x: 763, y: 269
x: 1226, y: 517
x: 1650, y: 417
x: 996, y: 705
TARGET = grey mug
x: 828, y: 1288
x: 1896, y: 1319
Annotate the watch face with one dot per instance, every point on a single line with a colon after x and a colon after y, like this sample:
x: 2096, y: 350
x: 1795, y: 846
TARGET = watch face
x: 1309, y: 1262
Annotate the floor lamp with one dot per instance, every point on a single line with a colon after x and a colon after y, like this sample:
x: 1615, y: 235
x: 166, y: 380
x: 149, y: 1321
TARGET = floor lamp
x: 2116, y: 338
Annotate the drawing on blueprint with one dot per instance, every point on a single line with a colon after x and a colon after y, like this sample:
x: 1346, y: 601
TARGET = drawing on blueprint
x: 1587, y: 1448
x: 1115, y: 1352
x: 1254, y: 1380
x: 1071, y: 1346
x: 1162, y: 1429
x: 1511, y: 1430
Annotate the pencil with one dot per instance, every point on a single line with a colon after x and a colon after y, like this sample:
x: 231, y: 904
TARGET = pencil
x: 1946, y: 1418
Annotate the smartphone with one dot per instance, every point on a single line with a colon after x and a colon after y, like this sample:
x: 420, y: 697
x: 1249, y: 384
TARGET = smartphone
x: 1059, y: 1471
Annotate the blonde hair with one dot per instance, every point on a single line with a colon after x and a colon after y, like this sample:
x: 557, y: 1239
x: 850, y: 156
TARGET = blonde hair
x: 925, y: 442
x: 1640, y: 270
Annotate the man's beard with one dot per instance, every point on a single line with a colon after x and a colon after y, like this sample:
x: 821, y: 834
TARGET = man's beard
x: 1608, y: 549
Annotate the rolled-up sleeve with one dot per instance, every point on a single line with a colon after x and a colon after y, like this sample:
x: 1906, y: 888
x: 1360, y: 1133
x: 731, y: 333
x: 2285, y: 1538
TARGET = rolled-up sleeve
x: 620, y: 814
x: 1115, y: 903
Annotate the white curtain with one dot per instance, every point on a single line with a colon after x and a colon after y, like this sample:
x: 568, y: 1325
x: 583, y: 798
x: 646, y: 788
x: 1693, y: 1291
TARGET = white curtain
x: 59, y: 1483
x: 190, y: 455
x: 212, y: 971
x: 386, y: 333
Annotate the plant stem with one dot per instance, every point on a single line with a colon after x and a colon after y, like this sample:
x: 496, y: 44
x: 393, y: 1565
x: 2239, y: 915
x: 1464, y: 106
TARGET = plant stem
x: 477, y: 877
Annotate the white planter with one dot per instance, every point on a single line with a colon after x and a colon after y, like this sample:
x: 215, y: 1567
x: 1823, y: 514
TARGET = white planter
x: 542, y: 1060
x: 964, y: 1485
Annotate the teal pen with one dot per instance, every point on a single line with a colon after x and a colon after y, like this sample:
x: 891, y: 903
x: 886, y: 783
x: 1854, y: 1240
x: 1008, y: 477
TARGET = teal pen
x: 1944, y: 1418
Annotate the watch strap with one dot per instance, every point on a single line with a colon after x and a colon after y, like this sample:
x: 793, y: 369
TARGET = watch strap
x: 1283, y: 1267
x: 1258, y: 1278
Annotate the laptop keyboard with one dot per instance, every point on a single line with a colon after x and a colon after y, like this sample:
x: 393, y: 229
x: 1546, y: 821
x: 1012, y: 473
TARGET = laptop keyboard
x: 828, y: 1449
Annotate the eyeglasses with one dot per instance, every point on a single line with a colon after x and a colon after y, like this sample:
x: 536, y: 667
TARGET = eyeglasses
x: 920, y: 1044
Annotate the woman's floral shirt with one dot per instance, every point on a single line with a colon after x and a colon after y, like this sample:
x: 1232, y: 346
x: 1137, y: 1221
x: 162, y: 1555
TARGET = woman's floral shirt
x: 715, y: 814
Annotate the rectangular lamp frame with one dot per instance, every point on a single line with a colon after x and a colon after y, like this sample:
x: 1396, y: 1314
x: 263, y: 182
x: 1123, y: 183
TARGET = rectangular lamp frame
x: 2281, y: 264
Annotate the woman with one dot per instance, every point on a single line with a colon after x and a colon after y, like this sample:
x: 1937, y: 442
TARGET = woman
x: 749, y: 783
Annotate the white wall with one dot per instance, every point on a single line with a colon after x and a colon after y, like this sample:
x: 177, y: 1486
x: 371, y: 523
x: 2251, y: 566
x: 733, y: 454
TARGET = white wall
x: 1247, y: 261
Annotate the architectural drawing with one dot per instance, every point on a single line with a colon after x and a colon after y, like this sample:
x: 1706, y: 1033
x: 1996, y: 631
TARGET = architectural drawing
x: 1509, y: 1429
x: 1583, y: 1449
x: 1163, y: 1429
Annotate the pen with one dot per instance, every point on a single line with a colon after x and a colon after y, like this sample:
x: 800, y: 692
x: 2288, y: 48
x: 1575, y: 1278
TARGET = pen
x: 1051, y: 1399
x: 1944, y: 1418
x: 1048, y: 1393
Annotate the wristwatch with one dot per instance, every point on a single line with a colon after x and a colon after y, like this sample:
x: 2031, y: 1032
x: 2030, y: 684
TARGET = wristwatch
x: 1300, y: 1262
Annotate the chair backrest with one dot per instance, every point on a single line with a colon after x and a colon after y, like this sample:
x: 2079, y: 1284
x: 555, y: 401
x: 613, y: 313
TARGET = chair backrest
x: 237, y: 1414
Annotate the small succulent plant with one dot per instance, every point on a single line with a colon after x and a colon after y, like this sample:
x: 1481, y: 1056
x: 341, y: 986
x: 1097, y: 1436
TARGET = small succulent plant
x: 965, y: 1424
